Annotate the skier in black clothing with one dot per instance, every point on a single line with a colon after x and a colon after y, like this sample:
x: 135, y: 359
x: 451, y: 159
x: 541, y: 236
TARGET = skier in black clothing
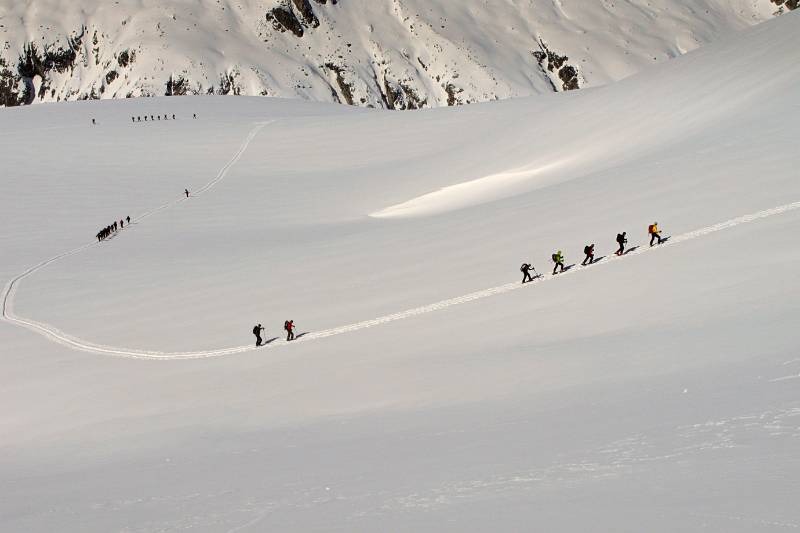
x: 173, y: 116
x: 257, y: 332
x: 115, y: 225
x: 525, y: 269
x: 93, y: 122
x: 186, y: 191
x: 589, y: 251
x: 622, y: 241
x: 128, y: 219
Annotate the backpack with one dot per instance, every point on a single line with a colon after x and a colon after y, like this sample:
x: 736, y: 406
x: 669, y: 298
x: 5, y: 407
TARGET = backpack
x: 286, y: 325
x: 651, y: 228
x: 587, y: 250
x: 255, y: 330
x: 555, y: 258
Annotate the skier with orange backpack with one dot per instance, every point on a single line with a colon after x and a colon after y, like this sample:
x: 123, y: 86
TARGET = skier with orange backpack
x: 655, y: 233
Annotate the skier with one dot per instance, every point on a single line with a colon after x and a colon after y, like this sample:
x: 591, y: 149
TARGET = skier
x: 289, y: 327
x: 173, y: 116
x: 194, y: 115
x: 115, y: 225
x: 525, y: 268
x: 128, y: 219
x: 622, y: 240
x: 654, y: 232
x: 99, y: 235
x: 257, y: 329
x: 558, y: 259
x: 159, y: 117
x: 145, y: 118
x: 589, y: 251
x: 139, y: 118
x: 122, y: 223
x: 133, y: 119
x: 186, y: 191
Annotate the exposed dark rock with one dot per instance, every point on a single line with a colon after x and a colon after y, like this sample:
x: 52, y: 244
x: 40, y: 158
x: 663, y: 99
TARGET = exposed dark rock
x: 111, y: 76
x: 552, y: 62
x: 305, y: 10
x: 788, y: 4
x: 227, y: 84
x: 452, y: 94
x: 282, y: 19
x: 126, y: 57
x: 345, y: 89
x: 177, y: 86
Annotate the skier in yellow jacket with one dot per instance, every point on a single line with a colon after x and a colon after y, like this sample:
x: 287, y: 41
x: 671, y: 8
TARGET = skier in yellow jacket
x: 654, y: 232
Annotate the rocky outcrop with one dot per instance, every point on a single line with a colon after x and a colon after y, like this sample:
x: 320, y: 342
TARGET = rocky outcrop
x: 555, y: 65
x: 788, y: 4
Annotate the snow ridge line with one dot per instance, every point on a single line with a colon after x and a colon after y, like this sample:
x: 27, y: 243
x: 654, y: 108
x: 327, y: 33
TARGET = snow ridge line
x: 62, y: 338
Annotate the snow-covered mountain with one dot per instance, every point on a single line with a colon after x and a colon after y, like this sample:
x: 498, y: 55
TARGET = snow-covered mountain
x: 399, y: 54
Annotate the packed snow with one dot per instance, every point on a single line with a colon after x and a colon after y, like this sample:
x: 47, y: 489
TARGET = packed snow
x: 428, y: 389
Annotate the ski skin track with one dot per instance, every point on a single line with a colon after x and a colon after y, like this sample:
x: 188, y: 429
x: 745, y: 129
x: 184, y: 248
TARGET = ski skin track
x: 55, y: 335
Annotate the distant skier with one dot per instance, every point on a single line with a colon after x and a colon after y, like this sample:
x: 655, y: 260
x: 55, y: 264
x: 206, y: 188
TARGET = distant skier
x: 99, y: 235
x: 525, y: 269
x: 173, y: 116
x: 133, y: 119
x: 289, y: 327
x: 186, y: 191
x: 115, y: 225
x: 139, y: 118
x: 152, y: 119
x: 622, y: 240
x: 589, y: 251
x: 94, y: 123
x: 145, y: 118
x: 655, y: 233
x: 159, y: 117
x: 558, y: 259
x: 128, y: 220
x: 194, y: 115
x: 122, y: 223
x: 257, y: 329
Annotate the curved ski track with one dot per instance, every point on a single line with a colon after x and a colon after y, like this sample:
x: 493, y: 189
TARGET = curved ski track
x: 64, y: 339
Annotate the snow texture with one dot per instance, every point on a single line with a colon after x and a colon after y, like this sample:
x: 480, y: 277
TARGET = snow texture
x: 428, y: 389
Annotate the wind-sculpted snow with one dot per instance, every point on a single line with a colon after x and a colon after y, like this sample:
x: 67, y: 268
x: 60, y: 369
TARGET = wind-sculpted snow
x: 64, y: 339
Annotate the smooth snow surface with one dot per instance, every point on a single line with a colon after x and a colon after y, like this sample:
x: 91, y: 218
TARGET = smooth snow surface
x: 655, y: 392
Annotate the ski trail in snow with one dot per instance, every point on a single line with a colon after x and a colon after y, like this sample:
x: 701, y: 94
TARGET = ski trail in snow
x: 60, y: 337
x: 64, y: 339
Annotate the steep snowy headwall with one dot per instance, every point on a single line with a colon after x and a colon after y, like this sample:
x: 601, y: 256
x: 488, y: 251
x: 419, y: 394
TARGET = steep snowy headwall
x: 396, y: 54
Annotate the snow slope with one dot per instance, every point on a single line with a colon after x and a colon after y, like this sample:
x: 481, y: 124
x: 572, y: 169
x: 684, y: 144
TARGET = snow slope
x: 398, y: 54
x: 654, y: 392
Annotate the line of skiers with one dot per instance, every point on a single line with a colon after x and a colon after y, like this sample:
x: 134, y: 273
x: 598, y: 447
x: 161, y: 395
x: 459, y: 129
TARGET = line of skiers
x: 288, y: 326
x: 588, y: 250
x: 153, y: 118
x: 112, y: 228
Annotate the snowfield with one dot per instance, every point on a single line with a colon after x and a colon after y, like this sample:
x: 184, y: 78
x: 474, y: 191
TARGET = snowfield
x: 429, y: 391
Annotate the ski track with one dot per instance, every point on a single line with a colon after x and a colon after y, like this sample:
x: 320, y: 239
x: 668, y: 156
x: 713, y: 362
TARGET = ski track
x: 64, y: 339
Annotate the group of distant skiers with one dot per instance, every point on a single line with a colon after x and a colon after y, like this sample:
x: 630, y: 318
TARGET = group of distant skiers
x: 588, y: 250
x: 288, y: 326
x: 153, y: 118
x: 112, y: 228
